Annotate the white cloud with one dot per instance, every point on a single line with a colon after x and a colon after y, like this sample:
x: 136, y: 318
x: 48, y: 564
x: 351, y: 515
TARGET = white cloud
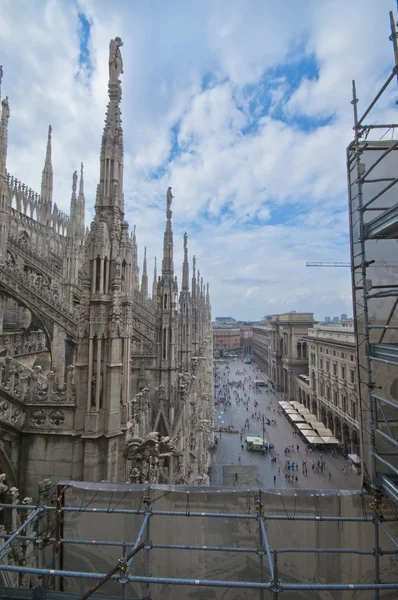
x: 228, y: 185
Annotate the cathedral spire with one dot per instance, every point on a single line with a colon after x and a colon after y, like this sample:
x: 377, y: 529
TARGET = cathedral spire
x: 155, y: 283
x: 185, y: 266
x: 167, y: 264
x: 81, y: 205
x: 73, y: 204
x: 47, y: 178
x: 5, y: 116
x: 112, y: 150
x: 194, y: 277
x: 144, y: 280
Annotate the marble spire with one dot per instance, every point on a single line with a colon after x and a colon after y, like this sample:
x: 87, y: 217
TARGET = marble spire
x: 110, y: 194
x: 185, y: 266
x: 81, y: 205
x: 47, y: 175
x: 144, y: 279
x: 155, y: 283
x: 5, y: 116
x: 167, y: 264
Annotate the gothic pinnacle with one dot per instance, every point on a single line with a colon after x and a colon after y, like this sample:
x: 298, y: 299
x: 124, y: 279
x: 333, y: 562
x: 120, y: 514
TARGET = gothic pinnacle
x: 144, y: 280
x: 47, y: 177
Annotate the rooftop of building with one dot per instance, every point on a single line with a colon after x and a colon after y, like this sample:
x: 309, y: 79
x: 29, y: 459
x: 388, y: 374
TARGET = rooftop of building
x: 333, y: 333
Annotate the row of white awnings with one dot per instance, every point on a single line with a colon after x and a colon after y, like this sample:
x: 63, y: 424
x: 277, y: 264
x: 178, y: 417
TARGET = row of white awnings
x: 313, y: 430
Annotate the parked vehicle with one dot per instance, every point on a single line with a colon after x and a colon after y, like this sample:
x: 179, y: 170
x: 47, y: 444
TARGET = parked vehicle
x: 256, y: 444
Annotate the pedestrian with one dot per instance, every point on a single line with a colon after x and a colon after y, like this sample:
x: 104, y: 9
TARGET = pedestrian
x: 298, y: 448
x: 242, y: 446
x: 239, y: 458
x: 296, y: 478
x: 330, y: 476
x: 236, y: 477
x: 274, y: 479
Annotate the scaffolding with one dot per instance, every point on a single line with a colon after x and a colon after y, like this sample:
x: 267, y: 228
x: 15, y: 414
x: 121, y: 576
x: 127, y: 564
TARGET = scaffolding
x: 148, y: 542
x: 151, y: 540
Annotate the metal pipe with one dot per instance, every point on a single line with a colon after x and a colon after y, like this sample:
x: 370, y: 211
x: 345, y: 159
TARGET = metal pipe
x: 120, y: 566
x: 199, y: 514
x: 275, y: 583
x: 147, y: 547
x: 209, y: 548
x: 385, y: 401
x: 385, y: 462
x: 12, y: 537
x: 386, y: 437
x: 383, y: 191
x: 371, y: 105
x: 261, y: 542
x: 137, y: 541
x: 324, y: 550
x: 267, y: 548
x: 206, y: 582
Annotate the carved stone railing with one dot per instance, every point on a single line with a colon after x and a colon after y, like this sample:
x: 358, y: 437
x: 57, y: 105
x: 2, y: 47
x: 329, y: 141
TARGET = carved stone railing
x: 28, y: 386
x: 29, y: 203
x: 34, y: 291
x: 50, y: 267
x: 22, y: 343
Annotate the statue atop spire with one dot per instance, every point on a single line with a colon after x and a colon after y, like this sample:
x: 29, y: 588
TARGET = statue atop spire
x: 169, y: 198
x: 115, y: 60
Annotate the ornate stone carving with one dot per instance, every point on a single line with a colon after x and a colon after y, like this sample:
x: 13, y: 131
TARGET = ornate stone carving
x: 38, y: 418
x: 56, y: 418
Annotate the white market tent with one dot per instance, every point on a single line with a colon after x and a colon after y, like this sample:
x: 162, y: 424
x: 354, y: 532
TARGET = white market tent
x: 311, y: 419
x: 331, y: 440
x: 297, y: 404
x: 313, y: 439
x: 317, y: 425
x: 304, y: 427
x: 285, y: 404
x: 296, y: 418
x: 291, y: 411
x: 304, y: 411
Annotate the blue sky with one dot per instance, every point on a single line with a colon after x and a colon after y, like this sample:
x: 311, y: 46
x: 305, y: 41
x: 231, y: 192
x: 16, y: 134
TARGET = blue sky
x: 244, y: 108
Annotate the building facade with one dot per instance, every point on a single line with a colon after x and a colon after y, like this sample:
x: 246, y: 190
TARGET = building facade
x: 280, y: 349
x: 226, y: 338
x: 330, y: 390
x: 99, y: 380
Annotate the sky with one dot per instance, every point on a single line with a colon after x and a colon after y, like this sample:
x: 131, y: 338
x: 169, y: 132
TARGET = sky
x: 244, y: 108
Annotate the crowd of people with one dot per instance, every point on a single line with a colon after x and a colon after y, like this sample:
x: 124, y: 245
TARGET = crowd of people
x: 260, y: 405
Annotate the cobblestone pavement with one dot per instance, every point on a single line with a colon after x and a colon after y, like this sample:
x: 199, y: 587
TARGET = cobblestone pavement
x: 257, y: 467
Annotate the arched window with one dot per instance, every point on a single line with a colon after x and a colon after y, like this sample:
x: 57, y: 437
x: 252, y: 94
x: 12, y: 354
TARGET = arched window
x: 304, y: 350
x: 298, y: 349
x: 165, y: 302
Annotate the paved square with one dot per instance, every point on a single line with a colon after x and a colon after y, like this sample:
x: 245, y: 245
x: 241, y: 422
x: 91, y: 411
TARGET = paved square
x: 254, y: 468
x: 248, y: 476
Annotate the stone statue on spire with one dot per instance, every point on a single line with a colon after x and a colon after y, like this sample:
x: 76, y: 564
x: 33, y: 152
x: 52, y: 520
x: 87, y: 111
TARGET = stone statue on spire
x: 185, y: 241
x: 74, y: 183
x: 115, y: 60
x: 169, y: 198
